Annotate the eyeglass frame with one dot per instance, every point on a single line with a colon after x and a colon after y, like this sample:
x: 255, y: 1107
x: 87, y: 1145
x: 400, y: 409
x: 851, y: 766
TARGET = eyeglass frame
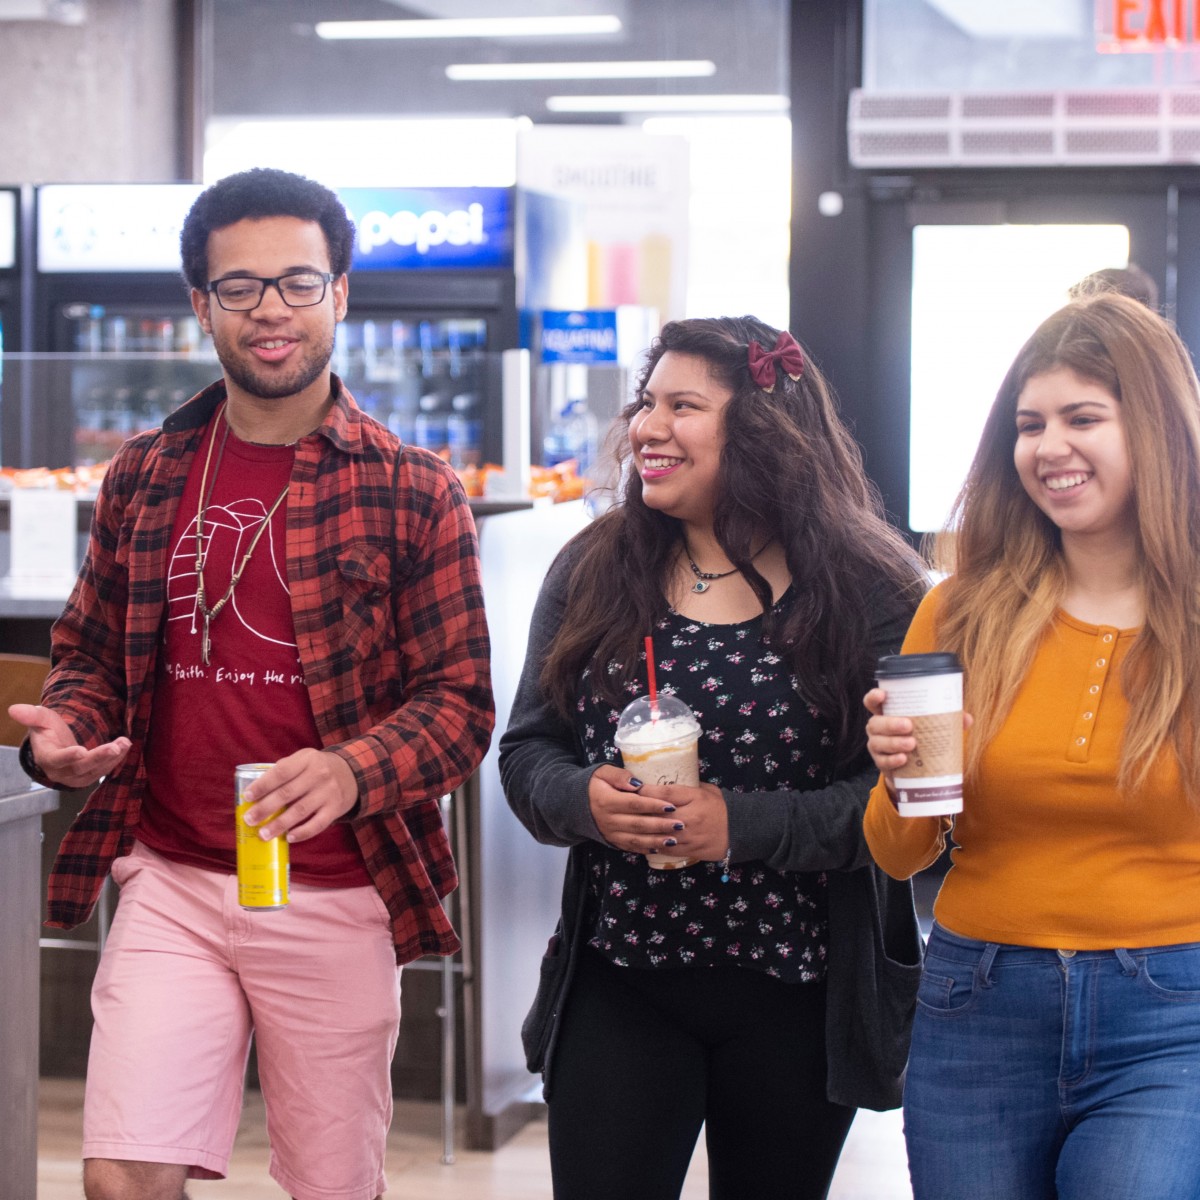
x: 326, y: 277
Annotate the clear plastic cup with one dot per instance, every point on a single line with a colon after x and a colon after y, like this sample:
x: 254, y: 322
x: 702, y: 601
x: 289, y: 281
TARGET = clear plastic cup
x: 659, y: 744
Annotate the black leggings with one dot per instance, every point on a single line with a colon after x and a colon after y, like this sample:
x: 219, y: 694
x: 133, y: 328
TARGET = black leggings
x: 645, y: 1056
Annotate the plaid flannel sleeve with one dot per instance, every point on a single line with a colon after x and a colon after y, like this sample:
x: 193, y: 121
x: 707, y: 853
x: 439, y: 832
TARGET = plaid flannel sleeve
x: 440, y: 732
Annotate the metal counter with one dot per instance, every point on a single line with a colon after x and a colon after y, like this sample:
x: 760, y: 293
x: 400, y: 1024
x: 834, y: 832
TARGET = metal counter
x: 21, y: 807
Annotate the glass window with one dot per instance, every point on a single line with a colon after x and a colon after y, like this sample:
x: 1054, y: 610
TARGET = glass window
x: 979, y: 291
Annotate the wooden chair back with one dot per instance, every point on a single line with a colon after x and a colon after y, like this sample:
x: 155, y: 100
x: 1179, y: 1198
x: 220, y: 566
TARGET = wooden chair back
x: 21, y: 679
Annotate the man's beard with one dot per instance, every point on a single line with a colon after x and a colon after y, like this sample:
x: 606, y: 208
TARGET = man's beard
x: 266, y: 385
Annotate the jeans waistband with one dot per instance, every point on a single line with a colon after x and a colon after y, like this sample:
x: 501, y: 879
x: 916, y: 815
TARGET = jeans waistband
x: 946, y: 943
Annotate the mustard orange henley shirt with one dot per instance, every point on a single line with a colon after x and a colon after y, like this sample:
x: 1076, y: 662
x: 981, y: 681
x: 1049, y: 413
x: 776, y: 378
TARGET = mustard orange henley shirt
x: 1048, y: 852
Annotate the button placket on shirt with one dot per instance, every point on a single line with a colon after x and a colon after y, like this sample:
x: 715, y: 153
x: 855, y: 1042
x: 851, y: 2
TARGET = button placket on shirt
x: 1080, y: 746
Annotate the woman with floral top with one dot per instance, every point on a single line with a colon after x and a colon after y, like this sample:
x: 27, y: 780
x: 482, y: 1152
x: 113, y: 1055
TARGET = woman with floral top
x: 764, y: 990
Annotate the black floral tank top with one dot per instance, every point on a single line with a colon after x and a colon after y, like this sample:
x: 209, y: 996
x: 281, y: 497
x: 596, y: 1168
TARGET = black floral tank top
x: 759, y: 734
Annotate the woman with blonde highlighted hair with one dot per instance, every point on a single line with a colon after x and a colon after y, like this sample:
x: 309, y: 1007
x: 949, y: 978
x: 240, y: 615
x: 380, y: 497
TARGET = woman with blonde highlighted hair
x: 1056, y: 1048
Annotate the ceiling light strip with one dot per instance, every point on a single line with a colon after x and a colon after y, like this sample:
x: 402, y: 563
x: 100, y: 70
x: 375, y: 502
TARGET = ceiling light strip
x: 469, y: 27
x: 661, y: 69
x: 710, y: 103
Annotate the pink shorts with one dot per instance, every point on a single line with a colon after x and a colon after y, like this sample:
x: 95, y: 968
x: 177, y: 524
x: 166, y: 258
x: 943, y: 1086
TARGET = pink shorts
x: 187, y: 976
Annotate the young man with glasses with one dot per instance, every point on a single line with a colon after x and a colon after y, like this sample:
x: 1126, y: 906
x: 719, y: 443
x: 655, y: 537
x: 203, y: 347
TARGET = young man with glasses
x: 271, y: 578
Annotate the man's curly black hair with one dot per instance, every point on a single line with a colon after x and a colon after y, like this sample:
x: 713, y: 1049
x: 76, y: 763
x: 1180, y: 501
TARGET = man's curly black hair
x: 263, y: 192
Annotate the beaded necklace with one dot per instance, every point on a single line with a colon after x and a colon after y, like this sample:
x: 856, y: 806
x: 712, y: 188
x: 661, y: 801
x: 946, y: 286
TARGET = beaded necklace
x: 705, y: 578
x: 206, y: 490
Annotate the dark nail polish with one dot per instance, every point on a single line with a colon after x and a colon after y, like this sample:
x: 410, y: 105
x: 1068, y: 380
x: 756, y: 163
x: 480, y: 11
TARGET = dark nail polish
x: 668, y: 808
x: 670, y: 842
x: 678, y: 826
x: 634, y: 783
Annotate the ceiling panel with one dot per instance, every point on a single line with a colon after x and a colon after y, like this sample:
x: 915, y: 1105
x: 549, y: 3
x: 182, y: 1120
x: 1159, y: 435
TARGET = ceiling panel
x: 266, y: 59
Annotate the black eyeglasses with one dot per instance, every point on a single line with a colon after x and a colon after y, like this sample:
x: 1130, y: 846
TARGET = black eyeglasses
x: 241, y: 293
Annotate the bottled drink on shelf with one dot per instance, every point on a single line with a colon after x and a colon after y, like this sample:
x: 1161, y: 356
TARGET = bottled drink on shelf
x: 163, y: 336
x: 115, y: 335
x: 402, y: 422
x: 122, y: 417
x: 427, y: 338
x: 152, y: 410
x: 91, y: 443
x: 370, y: 360
x: 572, y: 434
x: 403, y: 348
x: 454, y: 349
x: 429, y: 429
x: 464, y: 431
x: 89, y: 333
x: 348, y: 351
x: 188, y: 337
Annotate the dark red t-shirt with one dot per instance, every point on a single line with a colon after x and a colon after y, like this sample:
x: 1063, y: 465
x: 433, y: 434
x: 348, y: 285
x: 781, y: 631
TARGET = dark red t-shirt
x: 249, y: 704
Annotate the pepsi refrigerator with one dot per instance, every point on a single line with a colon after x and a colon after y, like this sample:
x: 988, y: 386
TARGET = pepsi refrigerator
x: 438, y: 278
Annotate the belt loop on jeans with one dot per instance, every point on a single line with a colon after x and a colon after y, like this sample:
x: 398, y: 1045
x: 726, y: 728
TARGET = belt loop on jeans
x: 1128, y: 962
x: 982, y: 971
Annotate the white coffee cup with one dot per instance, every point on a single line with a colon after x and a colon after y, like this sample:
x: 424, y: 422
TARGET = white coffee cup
x: 928, y: 689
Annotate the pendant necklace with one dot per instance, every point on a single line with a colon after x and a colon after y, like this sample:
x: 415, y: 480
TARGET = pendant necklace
x: 704, y: 578
x: 206, y: 490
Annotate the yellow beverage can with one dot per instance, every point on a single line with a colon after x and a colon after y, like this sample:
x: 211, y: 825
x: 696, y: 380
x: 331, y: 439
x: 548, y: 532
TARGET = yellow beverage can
x: 262, y: 867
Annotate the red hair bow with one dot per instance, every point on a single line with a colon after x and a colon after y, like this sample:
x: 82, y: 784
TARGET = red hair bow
x: 786, y: 354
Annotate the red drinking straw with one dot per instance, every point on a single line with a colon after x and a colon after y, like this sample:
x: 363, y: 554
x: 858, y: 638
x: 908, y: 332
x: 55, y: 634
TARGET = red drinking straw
x: 650, y: 676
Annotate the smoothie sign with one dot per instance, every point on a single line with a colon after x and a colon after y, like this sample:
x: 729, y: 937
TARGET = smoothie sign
x: 430, y: 228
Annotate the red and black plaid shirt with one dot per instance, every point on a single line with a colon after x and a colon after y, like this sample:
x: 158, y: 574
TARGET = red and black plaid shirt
x: 383, y: 569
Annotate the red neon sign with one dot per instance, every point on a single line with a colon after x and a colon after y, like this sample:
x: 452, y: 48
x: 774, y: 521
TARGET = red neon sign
x: 1123, y: 25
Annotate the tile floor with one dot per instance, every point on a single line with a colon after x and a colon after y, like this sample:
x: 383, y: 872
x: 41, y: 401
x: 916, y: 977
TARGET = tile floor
x: 872, y: 1166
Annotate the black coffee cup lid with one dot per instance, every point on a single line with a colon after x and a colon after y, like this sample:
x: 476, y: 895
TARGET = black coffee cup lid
x: 938, y: 663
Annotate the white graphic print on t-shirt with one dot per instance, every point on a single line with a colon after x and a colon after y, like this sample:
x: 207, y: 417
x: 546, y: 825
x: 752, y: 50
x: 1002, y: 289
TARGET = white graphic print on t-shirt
x: 228, y: 532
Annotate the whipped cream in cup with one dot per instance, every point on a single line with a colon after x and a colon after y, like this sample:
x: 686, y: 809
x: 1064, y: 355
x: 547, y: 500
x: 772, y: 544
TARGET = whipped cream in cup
x: 659, y: 743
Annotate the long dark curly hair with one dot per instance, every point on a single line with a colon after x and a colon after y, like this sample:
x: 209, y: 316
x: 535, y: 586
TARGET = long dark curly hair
x: 791, y: 472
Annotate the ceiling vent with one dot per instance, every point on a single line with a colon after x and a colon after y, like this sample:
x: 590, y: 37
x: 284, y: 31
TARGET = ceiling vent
x: 1018, y: 129
x: 64, y: 12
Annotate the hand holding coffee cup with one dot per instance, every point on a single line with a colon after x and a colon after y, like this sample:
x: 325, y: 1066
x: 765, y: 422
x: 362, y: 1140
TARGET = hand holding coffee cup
x: 915, y: 734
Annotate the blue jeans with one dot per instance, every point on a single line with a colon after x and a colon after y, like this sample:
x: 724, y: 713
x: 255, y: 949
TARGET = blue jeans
x: 1054, y: 1074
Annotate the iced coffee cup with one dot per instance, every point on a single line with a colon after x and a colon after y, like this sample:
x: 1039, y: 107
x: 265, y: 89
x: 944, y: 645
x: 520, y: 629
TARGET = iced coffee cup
x: 658, y: 743
x: 927, y: 688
